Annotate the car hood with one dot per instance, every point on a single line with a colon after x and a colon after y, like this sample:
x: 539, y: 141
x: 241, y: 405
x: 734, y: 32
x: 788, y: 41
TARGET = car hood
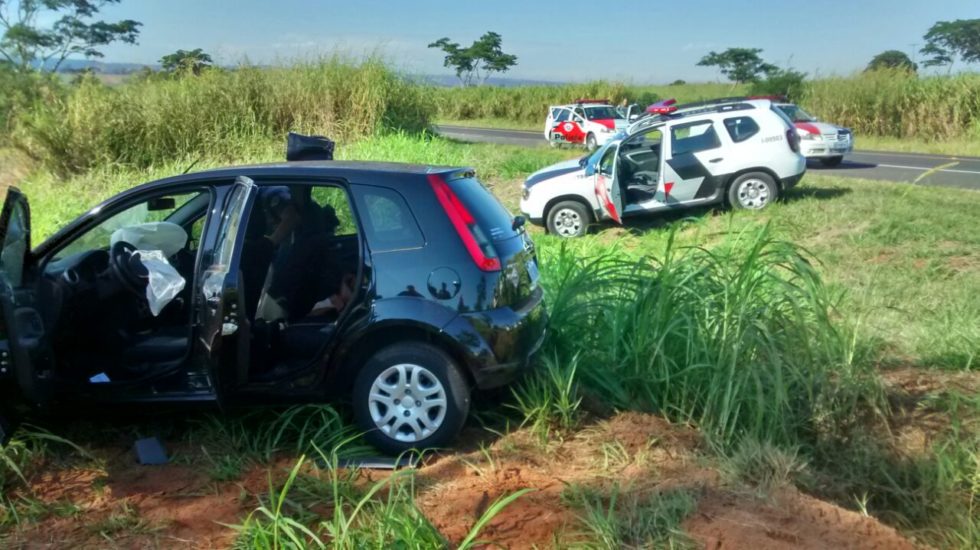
x: 555, y: 170
x: 818, y: 127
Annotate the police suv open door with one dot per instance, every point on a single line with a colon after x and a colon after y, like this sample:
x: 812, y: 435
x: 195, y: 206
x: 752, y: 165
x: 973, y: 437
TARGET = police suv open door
x: 26, y: 361
x: 224, y: 325
x: 607, y: 190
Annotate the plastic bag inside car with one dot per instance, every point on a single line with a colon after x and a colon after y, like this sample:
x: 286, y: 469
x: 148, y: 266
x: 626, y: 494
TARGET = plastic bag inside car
x: 165, y: 283
x: 166, y: 237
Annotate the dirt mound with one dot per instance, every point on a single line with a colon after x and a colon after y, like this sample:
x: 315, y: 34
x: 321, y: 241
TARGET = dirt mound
x: 788, y: 520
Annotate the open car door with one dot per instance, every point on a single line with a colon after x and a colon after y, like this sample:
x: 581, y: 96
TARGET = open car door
x: 224, y: 336
x: 607, y: 190
x: 26, y: 359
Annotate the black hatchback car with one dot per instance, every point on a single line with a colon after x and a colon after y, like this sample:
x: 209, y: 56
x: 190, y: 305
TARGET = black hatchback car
x: 401, y: 287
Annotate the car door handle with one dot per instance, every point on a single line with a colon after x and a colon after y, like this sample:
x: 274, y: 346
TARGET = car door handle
x: 719, y: 159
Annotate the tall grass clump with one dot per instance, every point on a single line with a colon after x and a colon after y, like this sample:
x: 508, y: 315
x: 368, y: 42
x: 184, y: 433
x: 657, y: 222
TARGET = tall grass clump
x: 742, y: 339
x: 220, y: 112
x: 897, y: 103
x: 327, y: 507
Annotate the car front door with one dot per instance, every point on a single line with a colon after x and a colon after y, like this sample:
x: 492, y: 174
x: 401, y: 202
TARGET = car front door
x: 607, y: 189
x: 223, y: 338
x: 26, y: 360
x: 694, y: 150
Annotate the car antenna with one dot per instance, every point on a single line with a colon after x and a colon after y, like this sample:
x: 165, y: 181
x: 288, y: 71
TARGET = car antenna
x: 192, y: 165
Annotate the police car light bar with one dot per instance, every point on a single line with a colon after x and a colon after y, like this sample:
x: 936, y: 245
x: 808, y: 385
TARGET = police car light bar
x: 664, y: 107
x: 585, y: 100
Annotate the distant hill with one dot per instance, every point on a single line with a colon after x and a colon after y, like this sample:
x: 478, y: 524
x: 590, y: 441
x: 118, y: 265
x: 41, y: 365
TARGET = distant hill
x: 102, y: 67
x: 452, y: 81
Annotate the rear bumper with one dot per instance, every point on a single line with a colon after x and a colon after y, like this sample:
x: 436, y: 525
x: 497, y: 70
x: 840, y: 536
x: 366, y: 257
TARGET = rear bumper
x: 500, y: 342
x: 791, y: 181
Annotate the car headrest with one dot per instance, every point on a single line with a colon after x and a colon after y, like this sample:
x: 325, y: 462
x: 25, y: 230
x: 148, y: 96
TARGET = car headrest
x: 300, y: 147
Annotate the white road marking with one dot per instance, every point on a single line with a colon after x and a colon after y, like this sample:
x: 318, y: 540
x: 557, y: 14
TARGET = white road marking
x: 922, y: 169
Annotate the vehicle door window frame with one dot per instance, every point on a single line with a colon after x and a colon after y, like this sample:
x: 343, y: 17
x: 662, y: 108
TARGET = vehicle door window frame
x: 711, y: 127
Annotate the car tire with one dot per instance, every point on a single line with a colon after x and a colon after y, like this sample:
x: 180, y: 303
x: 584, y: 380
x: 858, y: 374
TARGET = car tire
x: 590, y: 142
x: 752, y: 191
x: 830, y: 162
x: 568, y: 219
x: 391, y: 375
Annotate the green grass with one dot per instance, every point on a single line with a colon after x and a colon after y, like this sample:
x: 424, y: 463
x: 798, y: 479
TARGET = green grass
x: 222, y: 113
x: 629, y: 518
x: 968, y: 147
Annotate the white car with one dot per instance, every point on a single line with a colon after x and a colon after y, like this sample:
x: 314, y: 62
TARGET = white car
x: 743, y: 152
x: 588, y: 122
x: 819, y: 140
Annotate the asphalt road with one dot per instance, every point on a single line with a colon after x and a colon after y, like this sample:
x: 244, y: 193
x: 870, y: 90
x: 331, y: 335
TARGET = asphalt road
x: 947, y: 171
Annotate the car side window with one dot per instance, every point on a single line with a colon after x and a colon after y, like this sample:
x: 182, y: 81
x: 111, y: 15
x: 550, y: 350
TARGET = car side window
x: 388, y: 222
x: 336, y: 210
x: 156, y: 209
x: 741, y: 128
x: 15, y: 245
x: 608, y: 162
x: 693, y: 137
x: 562, y: 115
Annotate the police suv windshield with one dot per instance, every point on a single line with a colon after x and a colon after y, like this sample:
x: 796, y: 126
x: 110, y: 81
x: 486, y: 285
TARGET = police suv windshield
x: 596, y: 113
x: 795, y: 113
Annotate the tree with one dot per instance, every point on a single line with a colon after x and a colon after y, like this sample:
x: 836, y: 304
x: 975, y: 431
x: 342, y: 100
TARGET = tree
x: 783, y: 82
x: 27, y: 44
x: 478, y: 61
x: 892, y: 59
x: 947, y: 40
x: 739, y: 64
x: 186, y: 62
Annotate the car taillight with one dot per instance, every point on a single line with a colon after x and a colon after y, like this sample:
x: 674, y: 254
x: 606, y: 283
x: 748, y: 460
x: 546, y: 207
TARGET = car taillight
x: 476, y: 242
x: 793, y: 139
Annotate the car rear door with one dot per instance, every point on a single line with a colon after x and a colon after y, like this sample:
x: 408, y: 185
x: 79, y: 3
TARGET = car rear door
x: 26, y: 359
x: 223, y: 338
x: 693, y: 155
x: 607, y: 189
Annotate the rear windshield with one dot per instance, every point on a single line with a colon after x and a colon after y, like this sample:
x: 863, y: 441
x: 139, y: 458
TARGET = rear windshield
x: 491, y: 216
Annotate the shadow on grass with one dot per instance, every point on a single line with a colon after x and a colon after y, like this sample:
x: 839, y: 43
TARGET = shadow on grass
x: 639, y: 224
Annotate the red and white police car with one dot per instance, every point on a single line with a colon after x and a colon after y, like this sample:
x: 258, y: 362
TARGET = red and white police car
x: 588, y: 122
x: 819, y: 140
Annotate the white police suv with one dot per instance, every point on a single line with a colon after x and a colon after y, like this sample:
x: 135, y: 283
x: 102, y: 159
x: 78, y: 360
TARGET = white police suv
x: 739, y: 151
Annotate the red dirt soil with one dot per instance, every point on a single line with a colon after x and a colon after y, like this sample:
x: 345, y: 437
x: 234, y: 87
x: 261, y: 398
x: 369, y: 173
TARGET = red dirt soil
x: 179, y: 507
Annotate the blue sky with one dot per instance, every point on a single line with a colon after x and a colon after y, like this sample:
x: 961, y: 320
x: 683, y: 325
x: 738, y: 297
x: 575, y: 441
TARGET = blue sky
x: 567, y: 40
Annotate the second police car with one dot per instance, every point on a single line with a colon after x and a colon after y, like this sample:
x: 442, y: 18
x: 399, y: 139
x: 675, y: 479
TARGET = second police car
x: 739, y: 151
x: 588, y: 122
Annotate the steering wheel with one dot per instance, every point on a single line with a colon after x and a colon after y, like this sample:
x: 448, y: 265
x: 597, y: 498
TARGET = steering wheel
x: 128, y: 269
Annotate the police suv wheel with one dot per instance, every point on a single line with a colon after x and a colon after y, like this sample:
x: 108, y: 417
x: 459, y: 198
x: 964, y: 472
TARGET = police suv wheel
x: 568, y: 219
x: 410, y: 395
x: 752, y: 191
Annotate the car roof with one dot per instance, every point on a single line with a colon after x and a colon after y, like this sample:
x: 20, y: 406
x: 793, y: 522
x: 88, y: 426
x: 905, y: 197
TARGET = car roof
x: 341, y: 169
x: 693, y: 112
